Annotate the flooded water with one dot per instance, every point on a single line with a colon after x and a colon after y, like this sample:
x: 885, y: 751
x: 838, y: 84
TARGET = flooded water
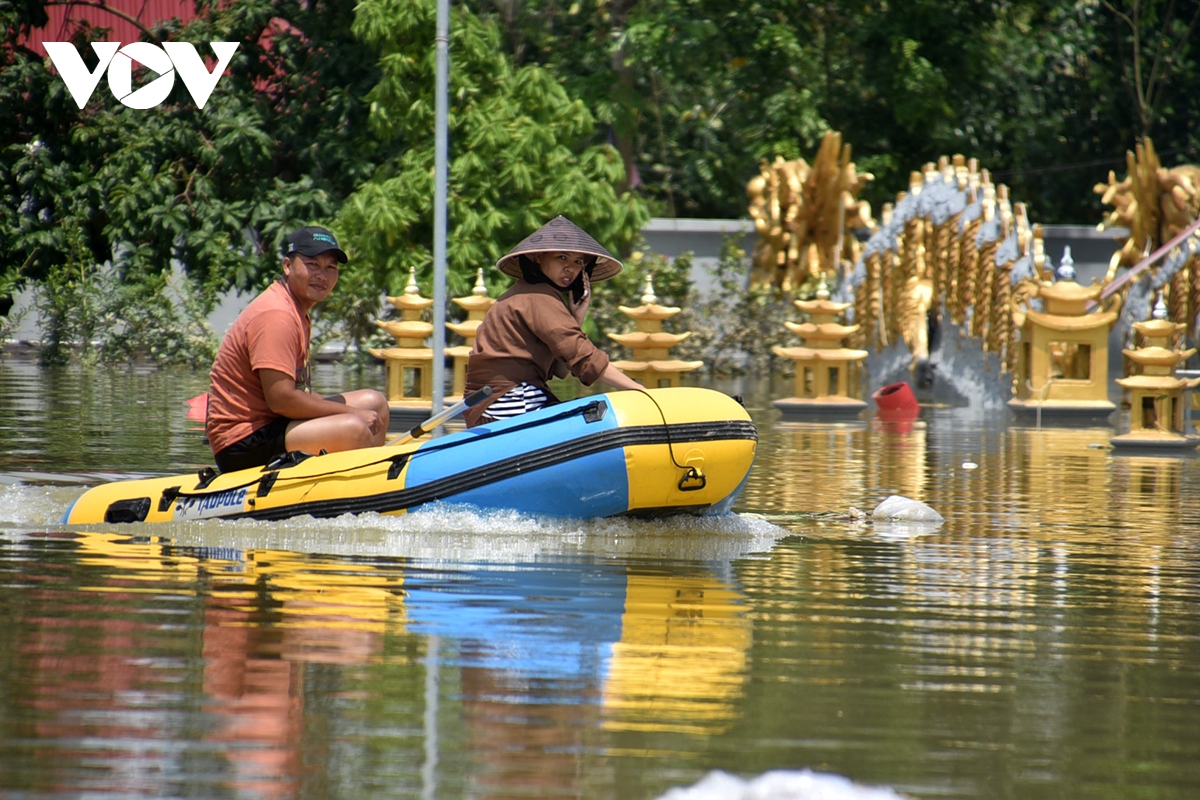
x: 1044, y: 642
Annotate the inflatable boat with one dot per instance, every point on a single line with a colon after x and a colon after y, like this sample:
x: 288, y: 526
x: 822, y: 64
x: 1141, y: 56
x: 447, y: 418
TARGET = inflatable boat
x: 644, y: 453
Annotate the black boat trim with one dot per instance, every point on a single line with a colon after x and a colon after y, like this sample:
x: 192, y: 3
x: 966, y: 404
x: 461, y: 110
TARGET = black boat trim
x: 458, y: 483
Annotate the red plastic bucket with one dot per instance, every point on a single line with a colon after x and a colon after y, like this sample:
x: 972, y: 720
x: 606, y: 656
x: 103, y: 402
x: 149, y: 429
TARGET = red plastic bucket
x: 896, y: 397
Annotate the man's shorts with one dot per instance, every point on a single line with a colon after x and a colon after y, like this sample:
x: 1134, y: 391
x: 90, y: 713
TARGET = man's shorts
x: 256, y: 449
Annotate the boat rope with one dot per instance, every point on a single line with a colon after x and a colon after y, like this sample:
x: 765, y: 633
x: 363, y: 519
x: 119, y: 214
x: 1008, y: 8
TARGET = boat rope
x: 690, y: 473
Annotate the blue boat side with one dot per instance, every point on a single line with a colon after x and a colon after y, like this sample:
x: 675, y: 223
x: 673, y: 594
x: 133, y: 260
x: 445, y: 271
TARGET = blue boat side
x: 545, y: 456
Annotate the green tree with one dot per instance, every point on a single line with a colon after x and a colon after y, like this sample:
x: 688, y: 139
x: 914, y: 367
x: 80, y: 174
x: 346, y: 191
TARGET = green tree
x: 281, y: 141
x: 1155, y: 44
x: 521, y: 152
x: 698, y: 91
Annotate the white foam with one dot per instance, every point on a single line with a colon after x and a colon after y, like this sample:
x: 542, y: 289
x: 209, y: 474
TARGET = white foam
x: 780, y: 785
x: 464, y: 534
x: 25, y: 508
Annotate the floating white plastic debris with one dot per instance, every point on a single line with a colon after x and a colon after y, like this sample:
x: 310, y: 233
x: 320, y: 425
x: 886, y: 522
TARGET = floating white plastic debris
x: 970, y: 465
x: 903, y: 509
x: 780, y: 785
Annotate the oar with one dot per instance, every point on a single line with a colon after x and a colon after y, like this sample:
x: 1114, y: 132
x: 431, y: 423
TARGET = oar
x: 445, y: 414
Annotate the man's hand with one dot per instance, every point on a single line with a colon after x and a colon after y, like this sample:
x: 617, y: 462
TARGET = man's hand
x: 373, y: 420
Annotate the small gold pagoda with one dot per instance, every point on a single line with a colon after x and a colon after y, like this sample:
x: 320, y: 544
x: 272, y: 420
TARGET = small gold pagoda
x: 1062, y: 357
x: 1156, y: 395
x: 828, y: 375
x: 410, y: 364
x: 476, y: 306
x: 651, y: 364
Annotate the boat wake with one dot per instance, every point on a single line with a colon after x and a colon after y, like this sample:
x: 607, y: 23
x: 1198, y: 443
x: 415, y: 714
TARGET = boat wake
x: 440, y: 532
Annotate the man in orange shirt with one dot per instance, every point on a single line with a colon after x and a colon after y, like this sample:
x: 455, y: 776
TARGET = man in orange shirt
x: 260, y: 404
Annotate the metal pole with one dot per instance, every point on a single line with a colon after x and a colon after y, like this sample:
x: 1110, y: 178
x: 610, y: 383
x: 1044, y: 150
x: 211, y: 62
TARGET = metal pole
x: 432, y: 676
x: 440, y: 169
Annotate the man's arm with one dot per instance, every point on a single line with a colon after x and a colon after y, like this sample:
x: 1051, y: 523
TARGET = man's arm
x: 286, y: 400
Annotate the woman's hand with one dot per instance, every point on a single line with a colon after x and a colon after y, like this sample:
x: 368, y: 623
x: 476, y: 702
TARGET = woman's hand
x: 619, y: 380
x: 580, y: 309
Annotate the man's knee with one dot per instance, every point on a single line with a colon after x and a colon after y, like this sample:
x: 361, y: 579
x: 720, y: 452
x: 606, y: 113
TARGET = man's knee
x: 381, y: 401
x: 367, y: 398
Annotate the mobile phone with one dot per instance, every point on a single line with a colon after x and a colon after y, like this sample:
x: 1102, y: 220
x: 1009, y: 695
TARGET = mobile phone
x: 580, y: 290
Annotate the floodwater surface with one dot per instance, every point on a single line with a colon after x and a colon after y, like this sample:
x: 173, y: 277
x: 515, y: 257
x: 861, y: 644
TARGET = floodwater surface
x: 1043, y: 642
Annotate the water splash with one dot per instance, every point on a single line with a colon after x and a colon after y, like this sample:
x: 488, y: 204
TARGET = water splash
x: 958, y: 373
x: 26, y: 507
x: 435, y: 532
x: 444, y: 532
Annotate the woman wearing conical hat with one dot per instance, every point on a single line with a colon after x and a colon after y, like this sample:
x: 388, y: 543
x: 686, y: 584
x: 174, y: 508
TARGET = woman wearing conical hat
x: 533, y: 332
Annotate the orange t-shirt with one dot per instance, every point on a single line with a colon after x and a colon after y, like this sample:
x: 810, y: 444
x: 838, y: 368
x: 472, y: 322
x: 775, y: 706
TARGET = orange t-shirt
x: 272, y: 333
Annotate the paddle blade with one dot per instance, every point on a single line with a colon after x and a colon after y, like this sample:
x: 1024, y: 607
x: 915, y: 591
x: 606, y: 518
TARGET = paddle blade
x: 198, y: 407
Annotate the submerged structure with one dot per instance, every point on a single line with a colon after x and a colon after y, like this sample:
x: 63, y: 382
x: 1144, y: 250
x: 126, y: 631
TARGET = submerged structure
x: 1159, y: 414
x: 1062, y: 354
x: 410, y: 363
x: 651, y: 364
x: 828, y: 374
x: 476, y: 305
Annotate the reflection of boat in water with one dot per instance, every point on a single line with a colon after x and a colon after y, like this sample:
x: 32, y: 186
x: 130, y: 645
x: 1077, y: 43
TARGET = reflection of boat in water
x: 661, y: 451
x: 654, y: 650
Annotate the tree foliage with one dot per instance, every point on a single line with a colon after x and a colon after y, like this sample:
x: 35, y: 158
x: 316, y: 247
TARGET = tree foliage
x: 604, y: 110
x: 280, y: 142
x: 1043, y: 94
x: 520, y: 153
x: 317, y: 112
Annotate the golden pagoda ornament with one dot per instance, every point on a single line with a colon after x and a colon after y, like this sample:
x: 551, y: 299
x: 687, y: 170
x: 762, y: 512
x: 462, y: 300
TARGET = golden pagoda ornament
x: 410, y: 363
x: 1062, y: 358
x: 476, y: 306
x: 651, y: 364
x: 828, y: 374
x: 1157, y: 405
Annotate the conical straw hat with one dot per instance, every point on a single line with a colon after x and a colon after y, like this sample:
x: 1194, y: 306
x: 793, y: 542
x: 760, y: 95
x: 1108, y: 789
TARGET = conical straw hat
x: 561, y: 235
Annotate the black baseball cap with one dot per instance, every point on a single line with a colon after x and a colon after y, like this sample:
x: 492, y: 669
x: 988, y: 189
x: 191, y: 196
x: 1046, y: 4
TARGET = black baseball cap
x: 312, y: 241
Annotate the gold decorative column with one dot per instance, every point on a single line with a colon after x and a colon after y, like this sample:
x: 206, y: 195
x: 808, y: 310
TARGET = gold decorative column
x: 1156, y: 395
x: 828, y: 375
x: 410, y: 364
x: 651, y: 364
x: 476, y: 305
x: 1062, y: 358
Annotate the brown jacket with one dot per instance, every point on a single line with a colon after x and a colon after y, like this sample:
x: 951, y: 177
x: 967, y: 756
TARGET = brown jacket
x: 529, y: 336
